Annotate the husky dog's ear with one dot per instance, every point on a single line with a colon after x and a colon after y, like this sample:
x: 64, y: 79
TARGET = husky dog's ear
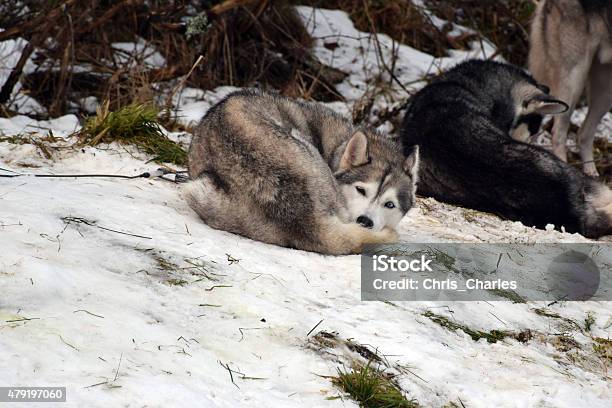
x: 545, y: 105
x: 356, y: 152
x: 411, y: 164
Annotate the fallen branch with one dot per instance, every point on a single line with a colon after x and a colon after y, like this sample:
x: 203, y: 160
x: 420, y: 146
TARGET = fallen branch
x: 27, y: 28
x: 13, y: 78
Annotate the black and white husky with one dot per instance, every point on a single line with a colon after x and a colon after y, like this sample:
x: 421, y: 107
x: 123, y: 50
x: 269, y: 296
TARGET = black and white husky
x: 469, y: 125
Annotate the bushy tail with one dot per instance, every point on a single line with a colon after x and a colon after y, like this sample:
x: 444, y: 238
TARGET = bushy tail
x: 606, y: 202
x: 214, y: 206
x: 601, y: 203
x: 339, y: 238
x: 200, y: 195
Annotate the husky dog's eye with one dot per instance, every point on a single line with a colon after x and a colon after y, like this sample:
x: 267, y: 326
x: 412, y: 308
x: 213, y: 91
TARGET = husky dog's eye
x: 361, y: 190
x: 389, y: 205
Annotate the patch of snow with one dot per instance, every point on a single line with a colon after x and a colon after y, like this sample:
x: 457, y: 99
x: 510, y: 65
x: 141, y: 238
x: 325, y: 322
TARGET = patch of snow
x: 10, y: 52
x: 604, y: 129
x: 366, y: 59
x: 192, y: 104
x: 341, y: 45
x: 25, y: 104
x: 62, y: 126
x: 89, y: 104
x: 136, y: 53
x: 440, y: 24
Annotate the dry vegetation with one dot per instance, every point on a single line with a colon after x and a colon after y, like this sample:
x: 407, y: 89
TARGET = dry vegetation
x: 402, y: 20
x: 505, y: 23
x: 243, y: 42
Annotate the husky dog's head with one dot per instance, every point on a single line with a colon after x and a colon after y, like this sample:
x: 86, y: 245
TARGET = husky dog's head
x: 516, y: 101
x: 377, y: 180
x: 532, y: 101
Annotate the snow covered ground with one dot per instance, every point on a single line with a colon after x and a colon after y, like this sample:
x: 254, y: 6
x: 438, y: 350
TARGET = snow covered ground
x: 115, y: 289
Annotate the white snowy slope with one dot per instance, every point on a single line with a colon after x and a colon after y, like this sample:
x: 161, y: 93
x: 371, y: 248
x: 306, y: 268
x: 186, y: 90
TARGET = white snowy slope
x: 115, y: 289
x: 152, y: 319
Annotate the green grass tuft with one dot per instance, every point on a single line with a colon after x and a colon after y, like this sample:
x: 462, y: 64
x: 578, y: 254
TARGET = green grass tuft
x: 508, y: 294
x: 492, y: 336
x: 603, y: 347
x: 135, y: 124
x: 43, y: 143
x: 589, y: 321
x: 568, y: 323
x: 177, y: 282
x: 371, y: 388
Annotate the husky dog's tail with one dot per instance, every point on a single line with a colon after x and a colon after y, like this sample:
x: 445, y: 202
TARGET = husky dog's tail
x: 599, y: 218
x: 216, y: 207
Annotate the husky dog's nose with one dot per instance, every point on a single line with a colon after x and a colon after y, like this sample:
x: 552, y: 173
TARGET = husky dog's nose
x: 365, y: 222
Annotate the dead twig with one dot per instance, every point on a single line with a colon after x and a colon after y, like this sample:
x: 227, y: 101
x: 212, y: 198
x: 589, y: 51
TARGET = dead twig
x: 118, y: 366
x: 89, y: 313
x: 230, y: 371
x: 315, y: 326
x: 79, y: 220
x: 13, y: 78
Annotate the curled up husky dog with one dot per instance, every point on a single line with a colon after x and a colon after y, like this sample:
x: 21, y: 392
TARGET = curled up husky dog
x: 298, y: 175
x: 571, y: 48
x: 469, y: 124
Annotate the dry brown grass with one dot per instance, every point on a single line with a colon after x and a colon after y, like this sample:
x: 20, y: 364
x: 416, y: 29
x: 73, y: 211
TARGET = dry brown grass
x: 266, y: 43
x: 243, y: 43
x: 504, y: 22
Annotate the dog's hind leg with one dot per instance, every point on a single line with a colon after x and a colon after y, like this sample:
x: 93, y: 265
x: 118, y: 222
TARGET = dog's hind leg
x: 599, y: 92
x: 216, y: 207
x: 568, y: 86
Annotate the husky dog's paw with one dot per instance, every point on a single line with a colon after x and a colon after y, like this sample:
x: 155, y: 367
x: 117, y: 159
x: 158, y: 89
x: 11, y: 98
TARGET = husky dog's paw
x: 369, y: 237
x: 388, y: 236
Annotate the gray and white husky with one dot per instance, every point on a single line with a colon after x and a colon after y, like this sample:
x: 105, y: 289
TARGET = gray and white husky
x: 571, y: 48
x: 296, y: 174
